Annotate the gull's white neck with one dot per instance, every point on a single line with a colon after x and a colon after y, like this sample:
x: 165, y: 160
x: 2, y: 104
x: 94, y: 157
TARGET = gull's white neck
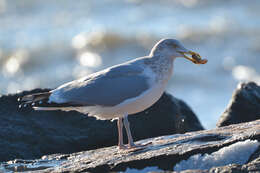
x: 162, y: 66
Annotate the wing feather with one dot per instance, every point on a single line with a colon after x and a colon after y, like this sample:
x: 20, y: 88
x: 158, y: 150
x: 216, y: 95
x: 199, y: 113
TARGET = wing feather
x: 106, y: 88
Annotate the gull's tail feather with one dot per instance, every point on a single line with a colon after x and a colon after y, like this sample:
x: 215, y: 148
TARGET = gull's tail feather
x: 40, y: 101
x: 46, y: 108
x: 52, y: 108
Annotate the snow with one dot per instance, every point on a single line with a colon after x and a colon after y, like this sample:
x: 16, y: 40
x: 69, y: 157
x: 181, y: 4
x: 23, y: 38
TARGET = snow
x: 238, y: 153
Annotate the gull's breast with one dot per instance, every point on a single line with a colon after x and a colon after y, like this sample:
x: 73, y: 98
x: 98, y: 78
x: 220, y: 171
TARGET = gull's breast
x: 142, y: 102
x: 129, y: 106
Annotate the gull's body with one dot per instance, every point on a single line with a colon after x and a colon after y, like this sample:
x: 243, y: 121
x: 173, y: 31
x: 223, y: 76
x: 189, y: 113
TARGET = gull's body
x: 120, y: 90
x: 152, y: 84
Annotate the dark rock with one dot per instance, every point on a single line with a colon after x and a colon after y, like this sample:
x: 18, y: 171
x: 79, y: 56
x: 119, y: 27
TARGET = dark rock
x: 164, y: 153
x: 244, y: 106
x: 29, y: 134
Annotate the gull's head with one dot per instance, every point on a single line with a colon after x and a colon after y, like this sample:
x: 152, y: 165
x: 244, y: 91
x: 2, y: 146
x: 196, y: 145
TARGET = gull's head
x: 173, y: 48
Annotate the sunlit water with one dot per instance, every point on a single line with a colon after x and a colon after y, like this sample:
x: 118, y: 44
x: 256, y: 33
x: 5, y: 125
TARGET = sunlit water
x: 46, y: 43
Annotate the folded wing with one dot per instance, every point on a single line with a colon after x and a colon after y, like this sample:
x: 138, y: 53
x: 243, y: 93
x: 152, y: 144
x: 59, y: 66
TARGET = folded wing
x: 105, y: 88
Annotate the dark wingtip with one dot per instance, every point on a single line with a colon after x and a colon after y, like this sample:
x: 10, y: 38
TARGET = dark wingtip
x: 26, y: 99
x: 22, y: 105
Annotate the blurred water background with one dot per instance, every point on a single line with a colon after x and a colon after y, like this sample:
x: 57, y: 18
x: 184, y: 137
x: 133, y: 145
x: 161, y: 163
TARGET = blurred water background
x: 45, y: 43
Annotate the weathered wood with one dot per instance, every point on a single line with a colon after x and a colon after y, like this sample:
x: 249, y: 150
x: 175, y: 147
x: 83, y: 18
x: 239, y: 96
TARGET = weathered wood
x: 164, y: 152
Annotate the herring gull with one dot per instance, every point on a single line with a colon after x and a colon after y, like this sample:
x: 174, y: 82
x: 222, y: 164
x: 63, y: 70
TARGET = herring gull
x: 120, y: 90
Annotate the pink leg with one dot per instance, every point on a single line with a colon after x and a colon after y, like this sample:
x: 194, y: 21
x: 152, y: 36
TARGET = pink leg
x: 131, y: 143
x: 120, y: 134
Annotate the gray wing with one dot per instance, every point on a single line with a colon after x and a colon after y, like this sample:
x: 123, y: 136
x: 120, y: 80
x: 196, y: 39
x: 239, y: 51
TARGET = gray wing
x: 106, y: 88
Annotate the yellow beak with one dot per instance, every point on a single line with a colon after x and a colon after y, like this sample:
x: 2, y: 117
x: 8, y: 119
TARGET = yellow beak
x: 195, y: 57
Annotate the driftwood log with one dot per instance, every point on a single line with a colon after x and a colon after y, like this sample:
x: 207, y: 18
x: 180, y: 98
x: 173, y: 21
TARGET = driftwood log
x: 164, y: 153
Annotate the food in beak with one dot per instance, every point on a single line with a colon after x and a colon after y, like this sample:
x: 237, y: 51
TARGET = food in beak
x: 197, y: 59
